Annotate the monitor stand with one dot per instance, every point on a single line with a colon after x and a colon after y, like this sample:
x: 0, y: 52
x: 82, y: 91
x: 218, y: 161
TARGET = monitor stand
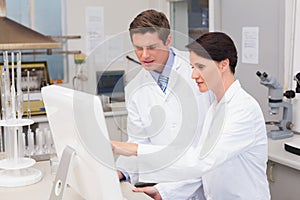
x: 59, y: 184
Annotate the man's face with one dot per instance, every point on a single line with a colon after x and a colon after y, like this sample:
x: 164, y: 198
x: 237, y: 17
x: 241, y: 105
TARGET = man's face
x: 151, y: 51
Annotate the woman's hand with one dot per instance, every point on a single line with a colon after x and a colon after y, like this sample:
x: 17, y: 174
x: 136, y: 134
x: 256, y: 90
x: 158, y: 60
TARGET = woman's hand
x: 124, y: 148
x: 150, y: 191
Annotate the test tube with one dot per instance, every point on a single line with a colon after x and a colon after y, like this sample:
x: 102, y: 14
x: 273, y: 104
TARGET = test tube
x: 21, y: 144
x: 48, y: 140
x: 19, y: 90
x: 40, y: 141
x: 28, y: 97
x: 30, y: 137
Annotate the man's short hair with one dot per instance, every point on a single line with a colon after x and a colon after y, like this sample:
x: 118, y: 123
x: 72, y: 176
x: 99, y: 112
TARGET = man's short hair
x: 151, y: 21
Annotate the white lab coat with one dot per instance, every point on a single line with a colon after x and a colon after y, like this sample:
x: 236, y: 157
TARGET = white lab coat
x: 232, y: 154
x: 142, y: 95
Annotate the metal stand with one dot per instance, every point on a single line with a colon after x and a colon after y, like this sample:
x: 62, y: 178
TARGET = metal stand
x: 285, y: 124
x: 59, y: 184
x: 278, y: 134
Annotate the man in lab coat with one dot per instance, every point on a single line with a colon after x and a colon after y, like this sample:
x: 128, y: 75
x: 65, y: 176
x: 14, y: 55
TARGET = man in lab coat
x: 232, y: 153
x: 155, y: 104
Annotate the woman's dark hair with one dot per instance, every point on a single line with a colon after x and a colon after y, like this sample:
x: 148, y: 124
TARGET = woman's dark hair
x: 216, y: 46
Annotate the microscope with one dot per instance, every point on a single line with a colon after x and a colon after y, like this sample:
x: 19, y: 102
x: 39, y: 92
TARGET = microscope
x: 275, y: 103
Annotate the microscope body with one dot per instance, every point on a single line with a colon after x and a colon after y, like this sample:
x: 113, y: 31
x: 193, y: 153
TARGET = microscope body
x: 275, y: 103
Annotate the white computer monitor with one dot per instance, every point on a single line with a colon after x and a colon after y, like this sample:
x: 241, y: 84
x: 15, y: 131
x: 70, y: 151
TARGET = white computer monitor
x: 76, y: 120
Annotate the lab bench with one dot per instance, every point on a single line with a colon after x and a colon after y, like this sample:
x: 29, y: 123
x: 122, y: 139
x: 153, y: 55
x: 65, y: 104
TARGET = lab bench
x: 283, y: 167
x: 116, y: 124
x: 42, y: 189
x: 283, y: 171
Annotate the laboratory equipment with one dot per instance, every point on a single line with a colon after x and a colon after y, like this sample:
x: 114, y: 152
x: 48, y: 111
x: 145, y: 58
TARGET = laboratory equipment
x: 111, y: 83
x: 276, y: 102
x: 38, y: 78
x: 81, y: 139
x: 293, y: 146
x: 296, y: 105
x: 16, y: 168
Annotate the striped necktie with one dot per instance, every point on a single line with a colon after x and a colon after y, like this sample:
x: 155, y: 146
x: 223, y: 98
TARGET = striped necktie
x: 163, y: 82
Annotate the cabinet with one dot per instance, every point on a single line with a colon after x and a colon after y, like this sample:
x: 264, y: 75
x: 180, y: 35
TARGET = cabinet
x: 189, y: 19
x: 283, y: 170
x: 284, y: 181
x: 117, y: 124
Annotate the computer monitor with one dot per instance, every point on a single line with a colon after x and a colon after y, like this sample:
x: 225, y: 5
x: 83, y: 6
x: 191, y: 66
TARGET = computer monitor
x: 77, y: 122
x: 111, y: 83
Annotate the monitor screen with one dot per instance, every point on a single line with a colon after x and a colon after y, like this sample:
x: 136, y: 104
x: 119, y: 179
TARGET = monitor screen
x: 110, y: 83
x: 76, y: 120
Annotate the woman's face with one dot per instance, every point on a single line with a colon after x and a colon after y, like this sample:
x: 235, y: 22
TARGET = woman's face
x: 206, y: 73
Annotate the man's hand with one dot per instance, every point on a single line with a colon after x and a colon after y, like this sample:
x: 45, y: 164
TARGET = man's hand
x: 124, y: 148
x: 150, y: 191
x: 120, y: 175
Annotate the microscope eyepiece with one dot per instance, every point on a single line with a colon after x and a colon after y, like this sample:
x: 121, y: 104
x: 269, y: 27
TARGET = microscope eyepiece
x: 258, y: 73
x: 261, y: 75
x: 265, y: 75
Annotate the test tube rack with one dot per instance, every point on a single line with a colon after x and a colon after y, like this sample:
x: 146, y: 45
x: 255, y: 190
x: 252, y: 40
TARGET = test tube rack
x: 16, y: 168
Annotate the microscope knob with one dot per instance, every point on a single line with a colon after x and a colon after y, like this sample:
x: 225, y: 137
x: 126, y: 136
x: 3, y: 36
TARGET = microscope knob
x: 289, y: 125
x: 289, y: 94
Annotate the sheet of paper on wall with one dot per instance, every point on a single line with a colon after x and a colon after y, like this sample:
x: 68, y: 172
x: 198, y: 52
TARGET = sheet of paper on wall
x: 94, y: 28
x: 250, y: 45
x: 115, y: 47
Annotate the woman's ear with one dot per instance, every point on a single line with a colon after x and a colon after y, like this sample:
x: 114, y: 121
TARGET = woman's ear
x: 224, y: 65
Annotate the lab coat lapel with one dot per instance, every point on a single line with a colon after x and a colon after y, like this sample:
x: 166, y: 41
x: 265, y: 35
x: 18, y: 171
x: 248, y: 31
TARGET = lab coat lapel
x: 149, y: 80
x: 171, y: 84
x: 213, y: 126
x: 174, y: 75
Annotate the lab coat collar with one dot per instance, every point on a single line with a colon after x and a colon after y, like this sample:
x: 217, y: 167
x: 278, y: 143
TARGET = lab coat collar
x: 179, y: 61
x: 230, y: 92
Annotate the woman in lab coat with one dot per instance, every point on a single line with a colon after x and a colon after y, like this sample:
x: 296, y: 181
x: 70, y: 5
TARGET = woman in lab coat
x: 232, y: 153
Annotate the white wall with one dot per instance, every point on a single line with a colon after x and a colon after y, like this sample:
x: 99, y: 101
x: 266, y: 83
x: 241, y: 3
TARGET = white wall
x: 117, y: 17
x: 292, y: 43
x: 296, y: 55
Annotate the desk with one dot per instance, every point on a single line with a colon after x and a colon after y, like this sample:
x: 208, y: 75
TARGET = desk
x: 278, y: 154
x: 42, y: 189
x: 283, y: 171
